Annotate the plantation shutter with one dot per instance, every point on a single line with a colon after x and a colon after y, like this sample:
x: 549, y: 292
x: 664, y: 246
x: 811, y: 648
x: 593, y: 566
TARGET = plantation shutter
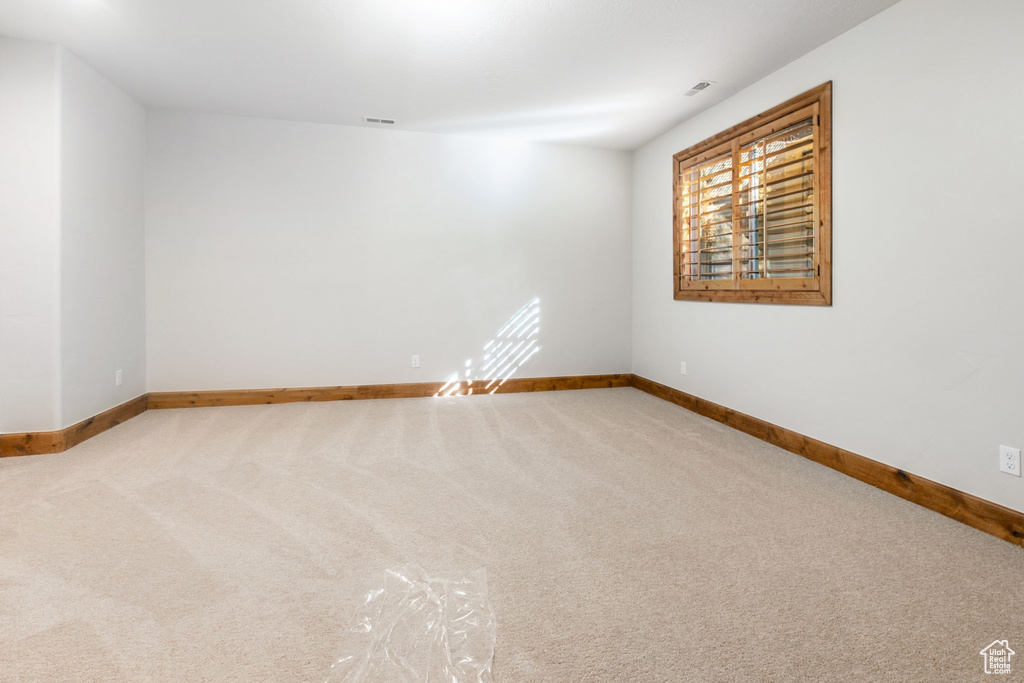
x: 776, y: 204
x: 706, y: 206
x: 749, y: 217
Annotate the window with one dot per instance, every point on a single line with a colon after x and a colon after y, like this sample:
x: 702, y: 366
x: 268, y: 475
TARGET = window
x: 753, y: 208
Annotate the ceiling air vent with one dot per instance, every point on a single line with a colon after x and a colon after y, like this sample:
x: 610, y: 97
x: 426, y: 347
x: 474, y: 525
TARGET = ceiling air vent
x: 697, y: 88
x: 374, y: 119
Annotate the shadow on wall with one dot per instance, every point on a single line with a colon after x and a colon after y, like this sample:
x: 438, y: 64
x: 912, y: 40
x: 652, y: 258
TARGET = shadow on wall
x: 512, y: 346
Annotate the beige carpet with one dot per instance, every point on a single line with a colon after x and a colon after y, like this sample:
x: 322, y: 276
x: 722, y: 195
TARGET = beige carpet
x: 625, y: 539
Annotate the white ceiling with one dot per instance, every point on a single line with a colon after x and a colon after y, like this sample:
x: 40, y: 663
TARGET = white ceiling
x: 608, y: 73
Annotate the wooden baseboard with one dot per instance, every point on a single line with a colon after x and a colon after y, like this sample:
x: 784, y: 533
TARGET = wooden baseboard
x: 34, y: 443
x: 979, y: 513
x: 244, y: 397
x: 86, y: 429
x: 31, y: 443
x: 992, y: 518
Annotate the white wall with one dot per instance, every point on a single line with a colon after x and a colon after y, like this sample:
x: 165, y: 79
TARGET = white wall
x: 72, y: 303
x: 29, y: 237
x: 918, y: 363
x: 103, y: 315
x: 289, y: 254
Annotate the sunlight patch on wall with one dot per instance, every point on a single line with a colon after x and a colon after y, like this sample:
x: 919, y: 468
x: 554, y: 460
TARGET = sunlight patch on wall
x: 513, y: 345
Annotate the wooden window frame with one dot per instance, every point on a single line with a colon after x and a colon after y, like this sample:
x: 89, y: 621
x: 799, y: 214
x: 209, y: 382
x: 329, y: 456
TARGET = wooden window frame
x: 810, y: 291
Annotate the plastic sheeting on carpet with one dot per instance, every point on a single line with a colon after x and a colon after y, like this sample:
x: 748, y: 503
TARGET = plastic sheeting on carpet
x: 420, y: 629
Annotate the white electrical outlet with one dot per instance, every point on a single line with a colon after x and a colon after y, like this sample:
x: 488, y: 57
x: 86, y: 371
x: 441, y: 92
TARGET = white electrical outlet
x: 682, y: 367
x: 118, y: 378
x: 415, y: 361
x: 1009, y: 460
